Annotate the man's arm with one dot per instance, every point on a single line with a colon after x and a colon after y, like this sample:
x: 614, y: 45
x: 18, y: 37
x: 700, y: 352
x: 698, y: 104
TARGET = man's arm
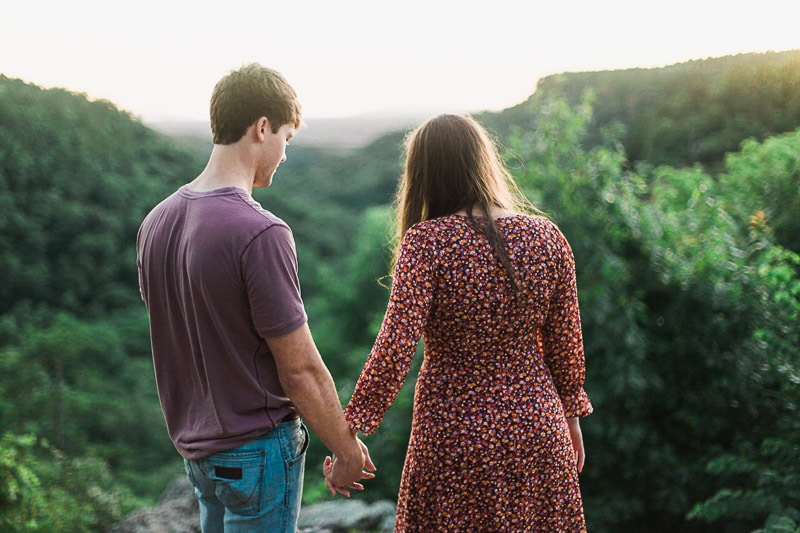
x: 308, y: 383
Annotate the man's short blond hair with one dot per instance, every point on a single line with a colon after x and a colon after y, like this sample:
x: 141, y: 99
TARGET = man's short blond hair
x: 247, y: 94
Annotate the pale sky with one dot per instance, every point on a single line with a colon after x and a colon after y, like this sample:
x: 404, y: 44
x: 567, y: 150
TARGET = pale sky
x: 160, y: 59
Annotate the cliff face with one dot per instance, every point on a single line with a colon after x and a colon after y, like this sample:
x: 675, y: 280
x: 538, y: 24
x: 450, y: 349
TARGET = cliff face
x: 177, y: 512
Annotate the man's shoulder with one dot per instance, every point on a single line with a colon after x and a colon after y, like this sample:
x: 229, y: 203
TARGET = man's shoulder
x: 228, y: 212
x: 254, y: 208
x: 160, y: 210
x: 255, y: 219
x: 231, y: 206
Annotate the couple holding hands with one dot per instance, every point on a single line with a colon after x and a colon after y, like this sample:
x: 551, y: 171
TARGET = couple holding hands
x: 478, y: 273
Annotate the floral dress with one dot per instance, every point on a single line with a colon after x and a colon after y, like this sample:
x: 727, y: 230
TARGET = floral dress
x: 490, y: 449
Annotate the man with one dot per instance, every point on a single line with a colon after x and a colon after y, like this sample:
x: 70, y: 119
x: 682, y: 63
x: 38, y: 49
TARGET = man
x: 234, y: 359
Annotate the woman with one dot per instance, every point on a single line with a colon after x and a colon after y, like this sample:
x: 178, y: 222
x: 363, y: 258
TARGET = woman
x: 495, y: 440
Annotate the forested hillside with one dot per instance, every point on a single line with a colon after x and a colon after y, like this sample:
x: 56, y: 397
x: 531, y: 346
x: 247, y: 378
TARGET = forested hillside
x: 689, y: 279
x: 82, y: 436
x: 682, y: 114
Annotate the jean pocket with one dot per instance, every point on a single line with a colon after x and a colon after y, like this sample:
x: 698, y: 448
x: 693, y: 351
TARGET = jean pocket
x: 188, y: 468
x: 239, y: 483
x: 297, y: 445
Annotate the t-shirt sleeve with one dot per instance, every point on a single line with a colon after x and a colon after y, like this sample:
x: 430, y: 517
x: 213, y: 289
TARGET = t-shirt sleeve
x: 269, y: 268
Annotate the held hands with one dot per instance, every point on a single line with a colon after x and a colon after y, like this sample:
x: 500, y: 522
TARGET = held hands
x: 341, y: 474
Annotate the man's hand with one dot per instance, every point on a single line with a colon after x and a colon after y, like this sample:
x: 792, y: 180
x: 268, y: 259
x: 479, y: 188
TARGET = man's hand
x: 341, y: 474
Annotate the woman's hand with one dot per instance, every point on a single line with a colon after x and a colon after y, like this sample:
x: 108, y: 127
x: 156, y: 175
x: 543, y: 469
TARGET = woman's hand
x: 577, y: 442
x: 334, y: 471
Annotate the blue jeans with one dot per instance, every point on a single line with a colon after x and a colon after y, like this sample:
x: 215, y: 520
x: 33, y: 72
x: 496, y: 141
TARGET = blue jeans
x: 255, y: 487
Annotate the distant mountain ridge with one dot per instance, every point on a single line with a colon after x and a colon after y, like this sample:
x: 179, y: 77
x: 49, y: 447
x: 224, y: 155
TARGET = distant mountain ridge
x: 339, y: 134
x: 695, y: 111
x: 681, y: 114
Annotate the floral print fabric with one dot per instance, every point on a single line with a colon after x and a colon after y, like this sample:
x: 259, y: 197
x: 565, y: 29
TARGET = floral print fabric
x: 490, y: 449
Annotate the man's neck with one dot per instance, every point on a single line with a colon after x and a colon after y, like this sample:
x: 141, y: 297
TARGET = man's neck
x: 226, y: 167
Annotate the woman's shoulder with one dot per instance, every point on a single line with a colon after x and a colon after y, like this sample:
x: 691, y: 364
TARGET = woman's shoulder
x: 541, y: 228
x: 533, y: 220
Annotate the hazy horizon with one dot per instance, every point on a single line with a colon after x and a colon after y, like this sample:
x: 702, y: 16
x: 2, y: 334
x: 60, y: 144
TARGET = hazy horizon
x: 160, y: 60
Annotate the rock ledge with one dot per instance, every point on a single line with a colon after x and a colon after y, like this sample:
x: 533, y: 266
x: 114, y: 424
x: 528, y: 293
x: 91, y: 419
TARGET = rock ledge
x: 177, y: 512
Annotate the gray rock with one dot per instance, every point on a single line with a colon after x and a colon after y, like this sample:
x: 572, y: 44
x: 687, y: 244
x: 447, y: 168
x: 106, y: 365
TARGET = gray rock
x: 341, y: 516
x: 178, y: 512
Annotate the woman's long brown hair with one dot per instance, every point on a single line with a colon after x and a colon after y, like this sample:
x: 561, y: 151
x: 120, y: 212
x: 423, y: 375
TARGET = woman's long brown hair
x: 452, y: 165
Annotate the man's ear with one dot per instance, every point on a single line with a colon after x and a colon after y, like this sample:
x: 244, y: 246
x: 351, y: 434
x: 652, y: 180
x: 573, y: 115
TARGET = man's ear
x: 262, y: 128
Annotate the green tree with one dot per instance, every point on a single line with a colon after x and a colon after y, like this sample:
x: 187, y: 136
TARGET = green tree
x: 759, y: 473
x: 77, y: 178
x: 77, y: 385
x: 762, y: 180
x: 41, y: 490
x: 20, y: 488
x: 683, y: 114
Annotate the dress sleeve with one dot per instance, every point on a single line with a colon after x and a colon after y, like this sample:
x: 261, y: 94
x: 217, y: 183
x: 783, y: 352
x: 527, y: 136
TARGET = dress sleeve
x: 562, y: 338
x: 390, y: 359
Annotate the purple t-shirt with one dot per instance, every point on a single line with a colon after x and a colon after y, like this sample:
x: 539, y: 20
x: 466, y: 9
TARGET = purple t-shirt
x: 218, y: 274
